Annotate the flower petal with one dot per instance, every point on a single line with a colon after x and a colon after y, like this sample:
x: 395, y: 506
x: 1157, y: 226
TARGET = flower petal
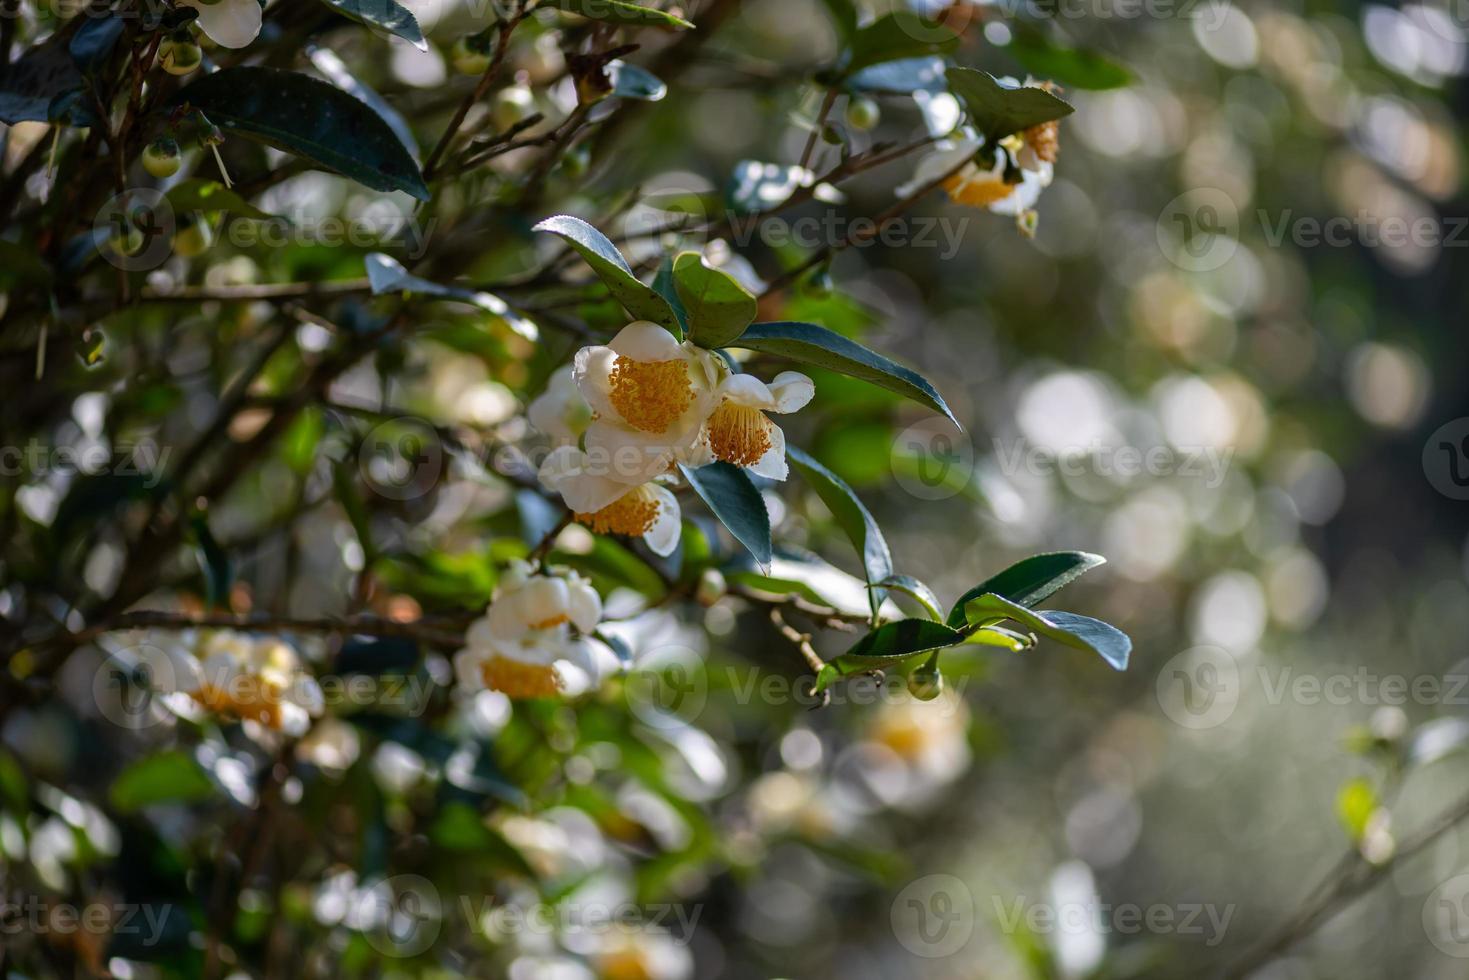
x: 565, y: 471
x: 584, y: 605
x: 643, y: 340
x: 792, y: 391
x: 230, y: 23
x: 747, y: 390
x: 934, y: 165
x: 592, y: 371
x: 773, y: 465
x: 662, y: 537
x: 629, y: 456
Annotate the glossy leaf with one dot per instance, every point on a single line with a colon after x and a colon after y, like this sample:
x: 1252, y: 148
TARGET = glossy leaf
x: 906, y: 75
x: 718, y: 308
x: 621, y: 13
x: 811, y: 344
x: 170, y: 777
x: 663, y: 286
x: 386, y: 274
x: 94, y: 41
x: 901, y: 34
x: 310, y: 118
x: 37, y: 86
x: 852, y: 516
x: 998, y: 110
x: 918, y: 591
x: 895, y: 642
x: 386, y: 15
x: 1081, y: 632
x: 1031, y: 580
x: 631, y: 82
x: 734, y: 499
x: 607, y: 262
x: 1073, y: 67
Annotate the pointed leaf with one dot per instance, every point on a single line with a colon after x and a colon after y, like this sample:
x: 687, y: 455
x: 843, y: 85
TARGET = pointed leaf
x: 895, y: 642
x: 663, y: 286
x: 607, y: 262
x: 170, y: 777
x: 1030, y: 580
x: 734, y: 500
x: 386, y: 274
x: 631, y: 82
x: 620, y: 12
x: 998, y: 110
x: 902, y: 34
x: 852, y: 516
x: 1081, y: 632
x: 917, y: 591
x: 310, y: 118
x: 385, y: 14
x: 718, y: 307
x: 810, y: 344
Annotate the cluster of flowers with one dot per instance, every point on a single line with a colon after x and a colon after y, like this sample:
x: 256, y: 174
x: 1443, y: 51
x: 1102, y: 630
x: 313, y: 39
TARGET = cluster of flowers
x: 239, y: 677
x: 625, y: 414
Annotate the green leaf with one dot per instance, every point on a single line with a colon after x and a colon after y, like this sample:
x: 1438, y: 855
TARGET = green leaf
x: 170, y: 777
x: 607, y: 262
x: 622, y: 13
x: 852, y: 516
x: 902, y: 34
x: 1070, y: 66
x: 385, y: 14
x: 1356, y: 803
x: 999, y: 636
x: 718, y: 308
x: 199, y: 194
x: 734, y: 500
x: 1030, y: 580
x: 310, y: 118
x: 44, y: 86
x: 386, y: 274
x: 1081, y: 632
x: 94, y: 41
x: 905, y: 76
x: 998, y: 110
x: 810, y: 344
x: 918, y: 591
x: 663, y: 286
x: 844, y: 17
x: 631, y: 82
x: 219, y: 571
x: 895, y: 642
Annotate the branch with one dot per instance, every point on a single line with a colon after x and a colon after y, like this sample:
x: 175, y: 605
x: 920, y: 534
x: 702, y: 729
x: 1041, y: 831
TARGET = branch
x: 502, y: 44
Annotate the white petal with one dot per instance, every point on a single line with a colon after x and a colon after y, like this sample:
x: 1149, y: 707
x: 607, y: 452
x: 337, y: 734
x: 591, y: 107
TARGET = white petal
x: 584, y: 605
x: 480, y: 635
x: 747, y: 390
x: 662, y: 537
x: 230, y: 23
x: 306, y: 694
x: 643, y: 340
x: 629, y: 456
x: 698, y: 453
x: 934, y: 165
x: 543, y: 598
x: 565, y: 471
x: 467, y: 669
x: 294, y: 720
x: 792, y: 391
x: 560, y: 411
x: 592, y: 370
x: 504, y: 623
x: 1026, y: 195
x: 773, y: 465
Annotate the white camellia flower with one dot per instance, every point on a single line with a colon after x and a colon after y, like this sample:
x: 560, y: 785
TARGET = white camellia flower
x: 523, y: 646
x: 740, y: 432
x: 650, y: 396
x: 606, y: 506
x: 229, y: 23
x: 257, y: 680
x: 560, y: 411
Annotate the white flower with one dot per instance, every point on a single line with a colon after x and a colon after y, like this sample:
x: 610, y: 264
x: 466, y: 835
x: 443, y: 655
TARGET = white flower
x: 560, y: 411
x: 523, y: 645
x: 231, y: 23
x: 739, y: 431
x: 650, y: 396
x: 257, y: 680
x: 607, y: 506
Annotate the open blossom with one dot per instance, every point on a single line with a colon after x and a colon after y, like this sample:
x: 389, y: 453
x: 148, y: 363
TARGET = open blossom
x: 524, y: 646
x: 740, y: 432
x: 256, y: 680
x: 230, y: 23
x: 560, y: 411
x: 606, y: 506
x: 650, y: 396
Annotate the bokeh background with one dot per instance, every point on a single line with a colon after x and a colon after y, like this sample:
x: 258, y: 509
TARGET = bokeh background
x: 1289, y: 559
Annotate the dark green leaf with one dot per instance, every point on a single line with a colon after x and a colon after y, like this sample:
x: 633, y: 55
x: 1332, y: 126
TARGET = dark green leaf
x: 1030, y: 580
x: 810, y: 344
x: 631, y: 82
x: 663, y: 286
x: 918, y: 591
x: 852, y: 516
x: 717, y: 307
x: 1081, y: 632
x: 386, y: 274
x: 734, y: 500
x: 385, y: 14
x: 33, y: 89
x: 906, y: 75
x: 376, y: 655
x: 198, y: 194
x: 1069, y: 66
x: 902, y: 34
x: 619, y: 12
x: 895, y: 642
x: 310, y: 118
x: 94, y: 41
x: 171, y: 777
x: 219, y: 572
x: 998, y: 110
x: 607, y: 262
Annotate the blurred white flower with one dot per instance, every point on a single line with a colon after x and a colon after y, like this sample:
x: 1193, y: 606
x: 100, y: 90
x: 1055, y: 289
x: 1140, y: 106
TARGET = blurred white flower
x: 230, y: 23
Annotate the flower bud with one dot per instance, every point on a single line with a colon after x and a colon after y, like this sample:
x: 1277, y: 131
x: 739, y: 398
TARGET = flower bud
x: 161, y: 157
x: 179, y: 57
x: 862, y: 113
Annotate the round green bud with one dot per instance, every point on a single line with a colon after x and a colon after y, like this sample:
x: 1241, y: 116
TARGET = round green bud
x: 470, y: 56
x: 179, y: 57
x: 161, y: 157
x: 926, y: 683
x: 862, y: 113
x: 513, y: 104
x: 193, y: 240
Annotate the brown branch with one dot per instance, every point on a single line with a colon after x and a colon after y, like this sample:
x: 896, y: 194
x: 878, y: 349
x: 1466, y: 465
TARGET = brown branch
x: 502, y: 45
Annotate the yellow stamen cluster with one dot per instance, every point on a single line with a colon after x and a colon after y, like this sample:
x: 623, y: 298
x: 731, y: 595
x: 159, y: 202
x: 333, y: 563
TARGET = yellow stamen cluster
x: 255, y: 700
x: 632, y: 514
x: 650, y: 395
x: 520, y: 680
x: 739, y: 434
x: 551, y: 623
x: 977, y: 193
x: 1045, y: 140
